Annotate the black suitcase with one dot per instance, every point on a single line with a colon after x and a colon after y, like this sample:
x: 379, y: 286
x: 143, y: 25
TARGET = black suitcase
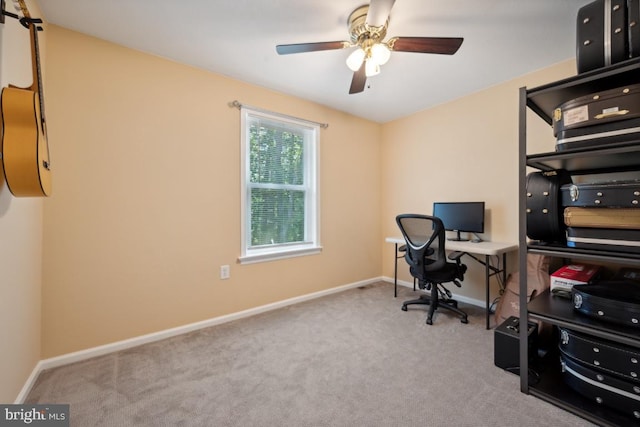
x: 613, y: 105
x: 633, y: 18
x: 612, y: 194
x: 544, y: 212
x: 611, y: 134
x: 598, y: 353
x: 607, y: 390
x: 607, y: 239
x: 612, y: 301
x: 601, y: 34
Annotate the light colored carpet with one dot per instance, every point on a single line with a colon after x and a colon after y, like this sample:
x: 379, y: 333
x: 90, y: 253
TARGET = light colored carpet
x: 348, y: 359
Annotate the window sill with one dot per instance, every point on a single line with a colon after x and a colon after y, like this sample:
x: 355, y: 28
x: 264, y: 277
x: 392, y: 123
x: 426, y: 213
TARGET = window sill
x: 272, y: 256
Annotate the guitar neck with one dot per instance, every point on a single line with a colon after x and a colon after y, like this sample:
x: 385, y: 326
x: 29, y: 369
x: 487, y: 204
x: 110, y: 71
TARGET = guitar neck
x: 36, y: 86
x: 37, y: 72
x: 21, y: 7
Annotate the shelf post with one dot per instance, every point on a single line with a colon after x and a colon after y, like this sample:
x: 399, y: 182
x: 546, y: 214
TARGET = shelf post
x: 522, y: 238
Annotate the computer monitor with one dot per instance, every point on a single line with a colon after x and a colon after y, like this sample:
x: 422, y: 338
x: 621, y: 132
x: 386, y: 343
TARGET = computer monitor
x: 460, y: 216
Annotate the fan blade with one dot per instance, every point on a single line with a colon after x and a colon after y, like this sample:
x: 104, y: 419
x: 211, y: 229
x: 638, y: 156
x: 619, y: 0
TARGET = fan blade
x: 442, y: 45
x: 285, y: 49
x: 379, y: 11
x: 359, y: 80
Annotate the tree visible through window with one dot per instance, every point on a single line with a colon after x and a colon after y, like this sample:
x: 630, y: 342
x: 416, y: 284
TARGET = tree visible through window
x: 279, y: 181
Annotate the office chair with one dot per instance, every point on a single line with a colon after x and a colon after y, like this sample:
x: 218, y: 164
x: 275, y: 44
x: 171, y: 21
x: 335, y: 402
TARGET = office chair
x: 425, y: 239
x: 400, y: 252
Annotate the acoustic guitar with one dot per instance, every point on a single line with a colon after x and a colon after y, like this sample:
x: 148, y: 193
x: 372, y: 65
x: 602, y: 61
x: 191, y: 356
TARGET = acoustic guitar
x: 25, y: 149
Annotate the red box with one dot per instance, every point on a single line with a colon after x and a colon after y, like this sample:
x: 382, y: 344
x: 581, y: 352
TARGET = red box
x: 568, y: 275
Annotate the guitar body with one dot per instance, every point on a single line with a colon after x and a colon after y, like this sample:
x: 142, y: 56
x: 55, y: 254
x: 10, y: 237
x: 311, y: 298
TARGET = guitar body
x: 25, y: 150
x: 25, y: 155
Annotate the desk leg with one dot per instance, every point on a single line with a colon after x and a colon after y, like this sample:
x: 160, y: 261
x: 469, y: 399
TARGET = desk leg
x: 487, y: 269
x: 395, y: 272
x: 504, y: 269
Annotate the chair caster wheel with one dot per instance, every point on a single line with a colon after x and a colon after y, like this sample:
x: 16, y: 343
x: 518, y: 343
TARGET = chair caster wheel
x: 404, y: 308
x: 464, y: 320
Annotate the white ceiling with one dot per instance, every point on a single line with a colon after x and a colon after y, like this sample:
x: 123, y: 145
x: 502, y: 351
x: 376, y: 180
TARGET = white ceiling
x: 503, y: 39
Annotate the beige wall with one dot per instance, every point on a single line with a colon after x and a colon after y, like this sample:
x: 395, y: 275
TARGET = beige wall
x: 146, y: 196
x: 146, y: 206
x: 21, y: 239
x: 465, y: 150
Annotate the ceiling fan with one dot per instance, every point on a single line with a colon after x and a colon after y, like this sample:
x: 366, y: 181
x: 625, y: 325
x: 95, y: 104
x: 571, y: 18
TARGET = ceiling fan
x: 368, y: 28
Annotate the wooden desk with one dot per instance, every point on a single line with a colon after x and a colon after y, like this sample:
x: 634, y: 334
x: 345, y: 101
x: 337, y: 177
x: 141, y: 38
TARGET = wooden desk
x: 471, y: 249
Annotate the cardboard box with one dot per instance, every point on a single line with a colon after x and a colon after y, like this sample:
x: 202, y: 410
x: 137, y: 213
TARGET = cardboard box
x: 565, y: 277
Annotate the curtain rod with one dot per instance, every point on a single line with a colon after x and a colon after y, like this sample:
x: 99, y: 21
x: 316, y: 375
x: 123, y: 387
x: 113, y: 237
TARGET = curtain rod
x: 238, y: 105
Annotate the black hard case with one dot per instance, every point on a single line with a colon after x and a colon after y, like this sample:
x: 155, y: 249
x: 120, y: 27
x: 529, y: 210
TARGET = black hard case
x: 601, y: 34
x: 545, y: 221
x: 506, y: 344
x: 597, y: 353
x: 613, y: 302
x: 607, y: 239
x: 612, y: 194
x: 611, y: 134
x: 602, y: 388
x: 633, y: 18
x: 613, y: 105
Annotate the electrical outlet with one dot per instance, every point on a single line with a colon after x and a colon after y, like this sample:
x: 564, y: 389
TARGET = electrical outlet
x: 225, y: 272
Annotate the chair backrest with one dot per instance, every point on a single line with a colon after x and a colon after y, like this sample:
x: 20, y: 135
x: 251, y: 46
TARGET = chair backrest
x: 425, y: 239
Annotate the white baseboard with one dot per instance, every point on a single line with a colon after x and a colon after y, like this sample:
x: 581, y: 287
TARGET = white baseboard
x: 89, y: 353
x: 461, y: 298
x: 26, y: 388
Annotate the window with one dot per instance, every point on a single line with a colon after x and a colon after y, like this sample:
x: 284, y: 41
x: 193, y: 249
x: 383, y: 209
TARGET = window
x: 279, y: 185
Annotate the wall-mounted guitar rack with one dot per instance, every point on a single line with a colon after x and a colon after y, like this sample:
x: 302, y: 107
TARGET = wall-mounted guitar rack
x: 25, y: 21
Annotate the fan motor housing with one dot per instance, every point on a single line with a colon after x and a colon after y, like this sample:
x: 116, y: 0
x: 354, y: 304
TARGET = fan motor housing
x: 360, y: 31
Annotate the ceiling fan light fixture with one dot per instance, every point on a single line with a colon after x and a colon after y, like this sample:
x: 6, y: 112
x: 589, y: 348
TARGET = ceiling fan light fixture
x: 367, y: 30
x: 371, y: 68
x: 354, y: 61
x: 380, y: 53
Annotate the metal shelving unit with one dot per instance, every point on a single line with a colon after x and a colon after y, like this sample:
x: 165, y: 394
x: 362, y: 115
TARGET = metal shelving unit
x: 623, y: 157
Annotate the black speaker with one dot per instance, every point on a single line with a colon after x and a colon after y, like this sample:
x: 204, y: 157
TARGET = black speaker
x: 506, y: 345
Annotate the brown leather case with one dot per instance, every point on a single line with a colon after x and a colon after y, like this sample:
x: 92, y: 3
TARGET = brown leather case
x: 627, y: 218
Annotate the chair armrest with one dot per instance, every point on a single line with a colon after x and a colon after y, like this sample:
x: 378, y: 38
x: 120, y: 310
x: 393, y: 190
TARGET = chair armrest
x: 456, y: 255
